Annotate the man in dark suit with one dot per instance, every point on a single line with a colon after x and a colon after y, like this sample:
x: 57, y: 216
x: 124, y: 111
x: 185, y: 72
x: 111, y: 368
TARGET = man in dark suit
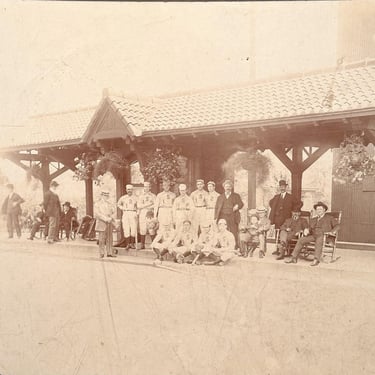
x: 228, y: 207
x: 40, y: 219
x: 281, y: 206
x: 320, y: 224
x: 12, y: 209
x: 68, y: 219
x: 52, y: 206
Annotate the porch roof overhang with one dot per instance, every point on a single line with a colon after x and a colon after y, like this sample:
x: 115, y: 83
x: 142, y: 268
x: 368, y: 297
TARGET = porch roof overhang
x: 320, y: 106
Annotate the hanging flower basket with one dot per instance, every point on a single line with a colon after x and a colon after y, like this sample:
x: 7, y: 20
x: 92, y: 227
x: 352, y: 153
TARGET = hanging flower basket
x: 162, y: 164
x: 111, y: 161
x: 85, y: 167
x: 354, y: 161
x: 251, y: 160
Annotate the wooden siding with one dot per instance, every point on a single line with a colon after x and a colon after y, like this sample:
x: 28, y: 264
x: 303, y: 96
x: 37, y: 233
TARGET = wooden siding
x: 357, y: 202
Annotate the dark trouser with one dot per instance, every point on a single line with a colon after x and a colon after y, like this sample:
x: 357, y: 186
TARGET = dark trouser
x: 66, y: 228
x: 305, y: 240
x: 13, y: 223
x: 34, y: 229
x: 53, y: 228
x: 231, y: 225
x: 285, y: 238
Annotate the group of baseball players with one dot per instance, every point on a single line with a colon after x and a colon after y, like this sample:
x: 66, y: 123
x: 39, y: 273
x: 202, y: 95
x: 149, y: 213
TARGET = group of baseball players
x: 182, y: 228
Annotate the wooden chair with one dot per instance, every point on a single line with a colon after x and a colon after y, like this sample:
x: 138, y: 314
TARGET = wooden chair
x: 292, y: 243
x: 329, y: 242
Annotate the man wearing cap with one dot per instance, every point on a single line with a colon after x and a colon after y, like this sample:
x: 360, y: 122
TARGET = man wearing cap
x: 145, y: 204
x: 105, y: 217
x: 183, y: 243
x: 223, y: 244
x: 163, y: 204
x: 228, y: 207
x: 212, y: 196
x: 199, y: 198
x: 52, y: 207
x: 128, y: 204
x: 68, y: 218
x: 291, y: 228
x: 12, y: 209
x: 318, y: 226
x: 162, y: 242
x: 281, y: 206
x: 183, y: 208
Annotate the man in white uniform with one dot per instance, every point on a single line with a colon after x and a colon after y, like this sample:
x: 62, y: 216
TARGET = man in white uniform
x: 183, y: 208
x: 163, y: 204
x: 211, y: 202
x: 199, y: 198
x: 128, y: 204
x: 145, y: 204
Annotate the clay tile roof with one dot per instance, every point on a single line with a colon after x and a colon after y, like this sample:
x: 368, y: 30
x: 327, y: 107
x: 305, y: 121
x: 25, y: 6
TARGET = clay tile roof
x: 316, y: 94
x: 51, y: 129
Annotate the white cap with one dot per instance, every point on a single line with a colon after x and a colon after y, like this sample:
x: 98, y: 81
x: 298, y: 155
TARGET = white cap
x: 182, y: 187
x: 129, y: 187
x: 146, y: 184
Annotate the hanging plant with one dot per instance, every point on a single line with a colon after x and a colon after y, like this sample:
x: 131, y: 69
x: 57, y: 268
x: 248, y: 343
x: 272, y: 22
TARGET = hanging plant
x: 111, y: 161
x: 162, y: 164
x: 354, y: 161
x: 34, y: 171
x: 250, y: 160
x: 85, y: 167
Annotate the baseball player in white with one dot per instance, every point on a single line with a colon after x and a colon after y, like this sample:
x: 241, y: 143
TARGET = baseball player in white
x: 183, y: 208
x: 163, y: 204
x: 199, y: 198
x: 211, y: 202
x: 145, y: 204
x: 128, y: 204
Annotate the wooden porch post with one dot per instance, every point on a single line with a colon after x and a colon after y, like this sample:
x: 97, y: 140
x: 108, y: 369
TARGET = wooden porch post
x: 296, y: 172
x: 251, y: 188
x: 45, y: 175
x: 89, y: 197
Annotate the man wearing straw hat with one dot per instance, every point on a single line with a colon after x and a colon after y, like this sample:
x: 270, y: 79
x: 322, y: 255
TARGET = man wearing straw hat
x: 105, y: 216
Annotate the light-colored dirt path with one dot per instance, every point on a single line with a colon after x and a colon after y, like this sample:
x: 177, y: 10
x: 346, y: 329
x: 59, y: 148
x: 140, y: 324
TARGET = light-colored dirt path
x: 64, y: 312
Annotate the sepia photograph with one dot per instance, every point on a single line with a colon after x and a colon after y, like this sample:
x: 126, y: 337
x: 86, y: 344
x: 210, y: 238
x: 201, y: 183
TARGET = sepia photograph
x: 187, y: 188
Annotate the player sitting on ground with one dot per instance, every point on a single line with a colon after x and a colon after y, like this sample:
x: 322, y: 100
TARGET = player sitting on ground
x: 202, y: 248
x: 183, y: 243
x: 222, y: 245
x: 163, y: 241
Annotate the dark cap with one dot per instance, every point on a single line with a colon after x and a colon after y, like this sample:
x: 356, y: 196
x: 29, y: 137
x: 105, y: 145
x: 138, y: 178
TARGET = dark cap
x: 53, y: 184
x: 283, y: 183
x: 66, y: 204
x: 297, y: 206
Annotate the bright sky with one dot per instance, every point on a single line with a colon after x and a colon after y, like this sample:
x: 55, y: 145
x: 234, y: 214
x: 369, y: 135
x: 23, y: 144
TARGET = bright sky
x: 60, y: 55
x: 56, y: 56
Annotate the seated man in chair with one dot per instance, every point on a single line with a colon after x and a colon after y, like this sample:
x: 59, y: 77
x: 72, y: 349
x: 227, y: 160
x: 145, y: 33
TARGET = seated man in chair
x: 319, y: 225
x: 68, y: 216
x: 291, y: 228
